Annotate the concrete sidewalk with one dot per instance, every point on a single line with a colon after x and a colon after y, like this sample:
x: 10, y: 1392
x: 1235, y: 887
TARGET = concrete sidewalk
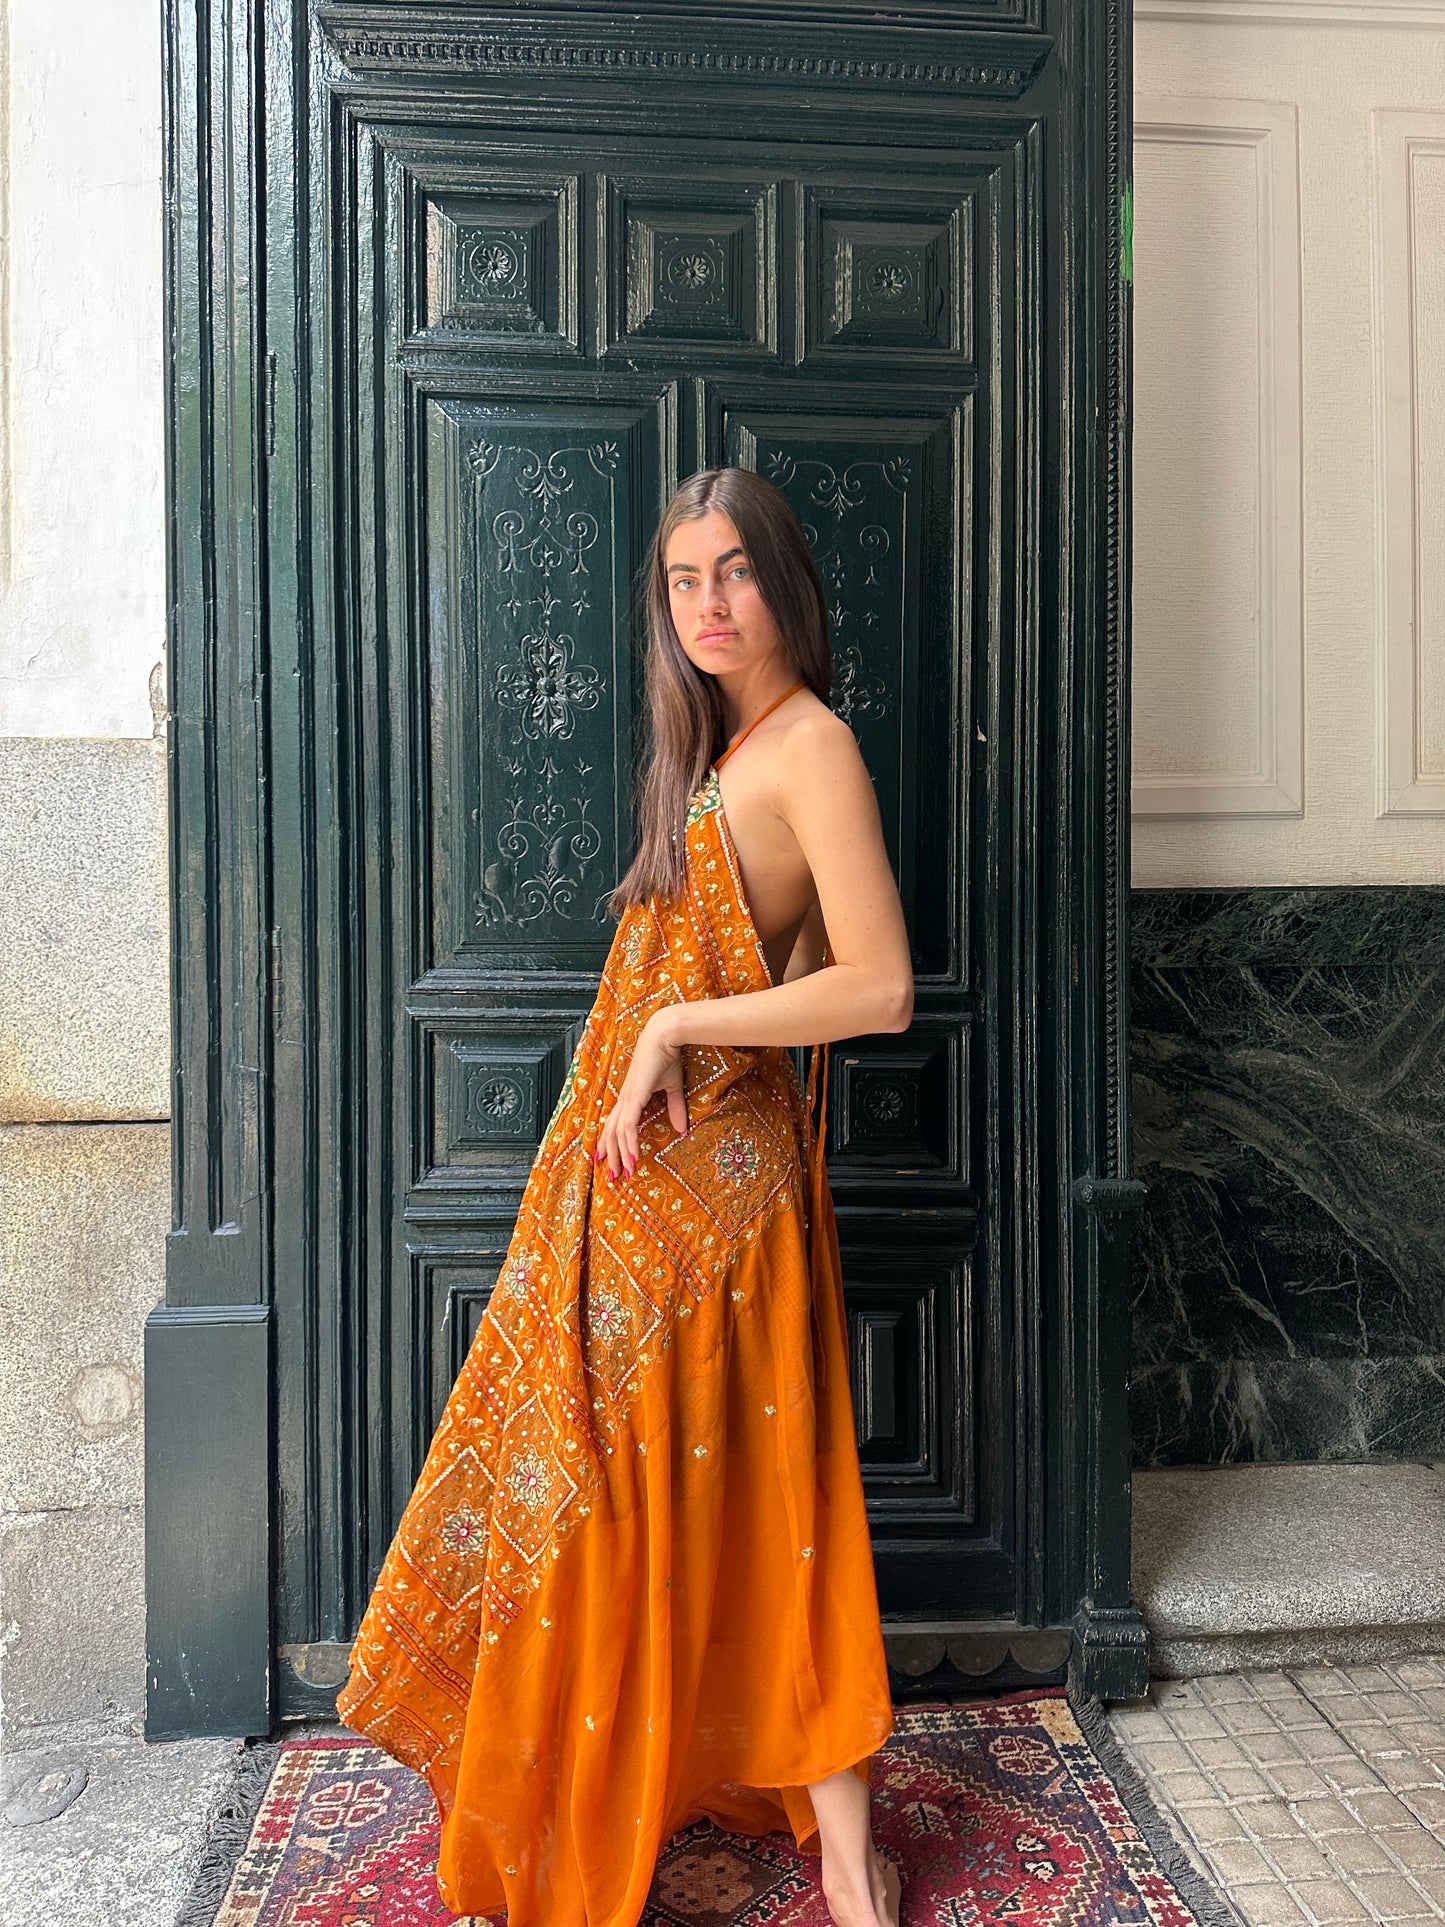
x: 124, y: 1852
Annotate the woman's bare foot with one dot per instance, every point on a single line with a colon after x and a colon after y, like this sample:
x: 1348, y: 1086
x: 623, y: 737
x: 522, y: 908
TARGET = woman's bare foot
x: 878, y: 1907
x: 860, y: 1886
x: 887, y: 1889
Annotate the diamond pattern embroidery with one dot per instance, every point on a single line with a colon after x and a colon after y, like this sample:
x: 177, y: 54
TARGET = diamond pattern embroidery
x: 733, y: 1169
x: 443, y: 1534
x: 533, y: 1484
x: 620, y: 1318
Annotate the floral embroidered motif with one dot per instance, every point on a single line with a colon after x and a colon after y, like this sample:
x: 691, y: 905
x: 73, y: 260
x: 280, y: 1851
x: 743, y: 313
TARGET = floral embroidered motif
x: 736, y: 1158
x: 462, y: 1529
x: 706, y: 798
x: 633, y: 943
x: 609, y: 1319
x: 515, y: 1276
x: 531, y: 1480
x: 564, y: 1096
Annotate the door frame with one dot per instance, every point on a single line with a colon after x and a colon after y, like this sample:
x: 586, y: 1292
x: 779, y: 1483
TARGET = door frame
x: 254, y: 1130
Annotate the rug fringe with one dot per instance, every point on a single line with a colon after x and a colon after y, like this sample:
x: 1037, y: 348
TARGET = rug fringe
x: 228, y: 1830
x: 1210, y: 1907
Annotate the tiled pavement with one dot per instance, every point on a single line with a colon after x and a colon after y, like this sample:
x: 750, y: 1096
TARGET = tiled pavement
x: 1310, y: 1796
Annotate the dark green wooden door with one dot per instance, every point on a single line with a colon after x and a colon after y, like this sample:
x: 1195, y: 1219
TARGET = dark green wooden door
x: 526, y: 281
x: 558, y: 326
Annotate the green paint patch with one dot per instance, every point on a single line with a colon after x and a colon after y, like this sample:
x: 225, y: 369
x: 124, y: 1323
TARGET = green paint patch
x: 1126, y: 233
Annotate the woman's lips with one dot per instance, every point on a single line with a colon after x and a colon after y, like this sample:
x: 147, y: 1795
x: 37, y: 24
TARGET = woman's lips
x: 717, y: 635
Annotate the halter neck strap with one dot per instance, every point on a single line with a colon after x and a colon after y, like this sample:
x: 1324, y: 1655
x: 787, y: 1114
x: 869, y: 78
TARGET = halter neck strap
x: 756, y: 720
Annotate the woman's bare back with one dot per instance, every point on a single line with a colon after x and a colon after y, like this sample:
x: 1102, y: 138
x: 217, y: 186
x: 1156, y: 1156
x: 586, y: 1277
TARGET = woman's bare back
x: 780, y: 889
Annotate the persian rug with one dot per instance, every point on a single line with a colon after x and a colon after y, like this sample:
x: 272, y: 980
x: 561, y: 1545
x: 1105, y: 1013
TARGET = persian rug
x: 1019, y: 1811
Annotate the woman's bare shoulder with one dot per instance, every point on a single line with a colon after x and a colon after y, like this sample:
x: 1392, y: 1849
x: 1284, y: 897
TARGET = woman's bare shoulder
x: 817, y: 749
x: 820, y: 735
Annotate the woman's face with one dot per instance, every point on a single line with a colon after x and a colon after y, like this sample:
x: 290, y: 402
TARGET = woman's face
x: 720, y: 618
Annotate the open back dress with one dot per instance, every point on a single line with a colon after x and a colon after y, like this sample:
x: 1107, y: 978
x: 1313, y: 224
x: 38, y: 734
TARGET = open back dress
x: 633, y: 1585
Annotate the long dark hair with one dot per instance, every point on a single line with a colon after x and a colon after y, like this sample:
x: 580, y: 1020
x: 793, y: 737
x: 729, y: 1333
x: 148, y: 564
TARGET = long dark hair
x: 684, y: 704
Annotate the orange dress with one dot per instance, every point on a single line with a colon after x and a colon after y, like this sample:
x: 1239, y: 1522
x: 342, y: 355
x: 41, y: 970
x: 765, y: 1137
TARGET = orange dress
x: 634, y: 1585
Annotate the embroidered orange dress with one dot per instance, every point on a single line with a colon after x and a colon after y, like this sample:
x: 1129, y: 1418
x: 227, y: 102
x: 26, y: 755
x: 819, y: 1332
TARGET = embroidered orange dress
x: 633, y: 1585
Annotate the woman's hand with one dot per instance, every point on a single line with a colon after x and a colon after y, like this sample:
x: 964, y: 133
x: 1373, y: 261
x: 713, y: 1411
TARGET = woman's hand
x: 656, y: 1066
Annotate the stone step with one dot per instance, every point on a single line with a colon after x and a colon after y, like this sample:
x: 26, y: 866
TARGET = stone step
x: 1237, y: 1567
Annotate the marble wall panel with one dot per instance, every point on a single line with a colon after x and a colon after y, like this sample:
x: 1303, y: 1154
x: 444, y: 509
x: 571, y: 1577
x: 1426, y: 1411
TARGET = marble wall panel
x: 1288, y: 1053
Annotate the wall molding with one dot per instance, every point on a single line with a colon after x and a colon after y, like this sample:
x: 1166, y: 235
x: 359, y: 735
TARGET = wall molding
x: 1406, y: 653
x: 1269, y: 130
x: 1427, y: 15
x: 367, y: 39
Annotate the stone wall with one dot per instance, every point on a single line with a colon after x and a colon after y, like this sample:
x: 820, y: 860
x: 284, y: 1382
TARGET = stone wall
x: 84, y: 1211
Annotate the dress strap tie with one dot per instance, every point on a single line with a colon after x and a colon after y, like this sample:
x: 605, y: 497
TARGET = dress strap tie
x: 791, y: 691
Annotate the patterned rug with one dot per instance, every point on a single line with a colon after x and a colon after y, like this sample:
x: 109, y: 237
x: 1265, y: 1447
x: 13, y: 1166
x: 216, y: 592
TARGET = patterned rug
x: 1018, y: 1810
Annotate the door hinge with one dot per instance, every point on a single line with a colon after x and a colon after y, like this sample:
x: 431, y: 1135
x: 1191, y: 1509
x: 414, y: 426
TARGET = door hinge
x: 1109, y: 1194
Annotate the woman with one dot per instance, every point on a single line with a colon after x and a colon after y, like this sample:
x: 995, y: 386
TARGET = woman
x: 634, y: 1584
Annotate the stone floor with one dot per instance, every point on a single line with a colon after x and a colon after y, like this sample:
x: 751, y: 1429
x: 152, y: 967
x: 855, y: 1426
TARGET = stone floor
x: 1315, y: 1795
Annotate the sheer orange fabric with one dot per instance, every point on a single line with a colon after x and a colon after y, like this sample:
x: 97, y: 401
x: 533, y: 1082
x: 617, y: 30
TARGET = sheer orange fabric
x: 634, y: 1585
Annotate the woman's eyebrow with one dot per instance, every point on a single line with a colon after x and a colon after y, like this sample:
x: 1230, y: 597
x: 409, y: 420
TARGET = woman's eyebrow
x: 691, y: 567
